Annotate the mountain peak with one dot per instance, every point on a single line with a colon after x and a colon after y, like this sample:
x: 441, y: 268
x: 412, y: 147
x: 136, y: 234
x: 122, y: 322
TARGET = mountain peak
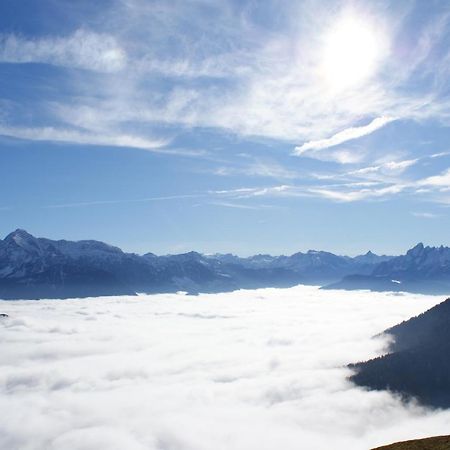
x: 19, y: 235
x: 23, y: 240
x: 417, y: 250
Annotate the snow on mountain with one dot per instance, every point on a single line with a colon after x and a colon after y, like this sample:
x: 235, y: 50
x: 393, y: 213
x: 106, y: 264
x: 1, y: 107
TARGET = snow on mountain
x: 421, y: 269
x: 33, y: 267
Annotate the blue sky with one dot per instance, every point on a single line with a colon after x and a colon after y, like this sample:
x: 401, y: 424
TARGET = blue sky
x: 227, y: 126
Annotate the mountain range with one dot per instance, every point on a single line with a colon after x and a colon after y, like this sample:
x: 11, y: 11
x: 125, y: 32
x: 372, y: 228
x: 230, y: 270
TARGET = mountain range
x: 422, y: 270
x: 33, y: 268
x: 418, y: 363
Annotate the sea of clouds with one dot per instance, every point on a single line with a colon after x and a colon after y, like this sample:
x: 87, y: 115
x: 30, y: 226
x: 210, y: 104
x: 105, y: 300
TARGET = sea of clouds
x: 248, y: 370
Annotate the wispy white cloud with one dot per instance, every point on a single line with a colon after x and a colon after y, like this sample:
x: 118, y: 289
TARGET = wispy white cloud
x: 263, y: 191
x: 425, y: 215
x: 83, y: 49
x: 440, y: 154
x: 136, y: 200
x: 338, y: 192
x: 162, y: 64
x: 385, y: 180
x: 343, y: 136
x: 258, y: 168
x: 237, y: 205
x: 442, y: 180
x: 396, y: 167
x: 358, y: 194
x: 341, y: 156
x: 260, y: 82
x: 90, y: 138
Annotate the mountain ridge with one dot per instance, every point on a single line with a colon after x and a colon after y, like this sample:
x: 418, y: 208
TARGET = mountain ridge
x: 32, y: 267
x: 423, y: 269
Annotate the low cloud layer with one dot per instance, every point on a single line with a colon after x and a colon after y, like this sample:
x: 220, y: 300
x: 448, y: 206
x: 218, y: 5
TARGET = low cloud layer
x: 247, y: 370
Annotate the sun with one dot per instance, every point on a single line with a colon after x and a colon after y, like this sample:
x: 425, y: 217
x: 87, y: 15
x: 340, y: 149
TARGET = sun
x: 351, y: 52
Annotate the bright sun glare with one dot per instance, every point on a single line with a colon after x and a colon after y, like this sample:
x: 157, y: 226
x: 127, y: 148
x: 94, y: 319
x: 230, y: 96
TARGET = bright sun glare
x: 351, y: 52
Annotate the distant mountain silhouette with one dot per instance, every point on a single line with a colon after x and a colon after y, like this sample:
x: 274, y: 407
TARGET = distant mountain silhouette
x: 418, y: 364
x: 422, y: 270
x: 33, y: 268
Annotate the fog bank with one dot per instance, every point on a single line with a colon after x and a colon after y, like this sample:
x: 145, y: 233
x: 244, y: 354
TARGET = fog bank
x: 248, y: 370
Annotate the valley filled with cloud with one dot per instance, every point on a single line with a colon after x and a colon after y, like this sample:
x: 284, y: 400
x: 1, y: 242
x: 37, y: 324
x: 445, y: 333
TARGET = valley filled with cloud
x: 246, y: 370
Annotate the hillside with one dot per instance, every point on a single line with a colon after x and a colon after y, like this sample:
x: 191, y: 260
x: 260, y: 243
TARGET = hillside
x: 417, y: 365
x: 433, y: 443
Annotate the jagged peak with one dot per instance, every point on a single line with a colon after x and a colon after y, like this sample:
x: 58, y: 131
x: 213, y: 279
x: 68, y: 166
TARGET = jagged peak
x: 416, y: 250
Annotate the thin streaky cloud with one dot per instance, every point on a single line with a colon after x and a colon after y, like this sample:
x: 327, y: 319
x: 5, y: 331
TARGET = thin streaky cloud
x: 83, y: 49
x: 425, y: 215
x: 361, y: 194
x: 346, y: 135
x: 138, y: 200
x: 53, y: 134
x: 391, y: 166
x: 439, y: 155
x: 236, y: 205
x: 258, y: 169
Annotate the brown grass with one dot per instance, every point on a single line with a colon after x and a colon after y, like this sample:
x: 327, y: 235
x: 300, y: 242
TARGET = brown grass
x: 434, y: 443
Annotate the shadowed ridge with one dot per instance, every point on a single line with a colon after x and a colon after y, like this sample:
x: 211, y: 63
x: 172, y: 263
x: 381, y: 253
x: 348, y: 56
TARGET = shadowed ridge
x: 433, y: 443
x: 417, y: 365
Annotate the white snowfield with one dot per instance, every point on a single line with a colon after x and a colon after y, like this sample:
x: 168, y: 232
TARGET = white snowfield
x: 248, y: 370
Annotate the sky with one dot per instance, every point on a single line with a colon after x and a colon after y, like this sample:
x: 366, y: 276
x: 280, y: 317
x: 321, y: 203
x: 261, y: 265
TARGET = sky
x: 227, y: 126
x: 246, y: 370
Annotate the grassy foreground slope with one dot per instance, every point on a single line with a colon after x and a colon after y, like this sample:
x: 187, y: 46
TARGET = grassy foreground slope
x: 434, y: 443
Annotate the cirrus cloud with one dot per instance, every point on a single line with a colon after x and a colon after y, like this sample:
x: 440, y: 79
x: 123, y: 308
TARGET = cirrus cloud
x: 348, y: 134
x: 82, y: 49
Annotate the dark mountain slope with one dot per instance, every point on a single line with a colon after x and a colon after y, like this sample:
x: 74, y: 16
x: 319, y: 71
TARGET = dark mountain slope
x: 419, y: 364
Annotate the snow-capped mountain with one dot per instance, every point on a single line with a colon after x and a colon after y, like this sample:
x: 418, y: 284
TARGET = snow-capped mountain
x: 33, y: 267
x: 422, y: 269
